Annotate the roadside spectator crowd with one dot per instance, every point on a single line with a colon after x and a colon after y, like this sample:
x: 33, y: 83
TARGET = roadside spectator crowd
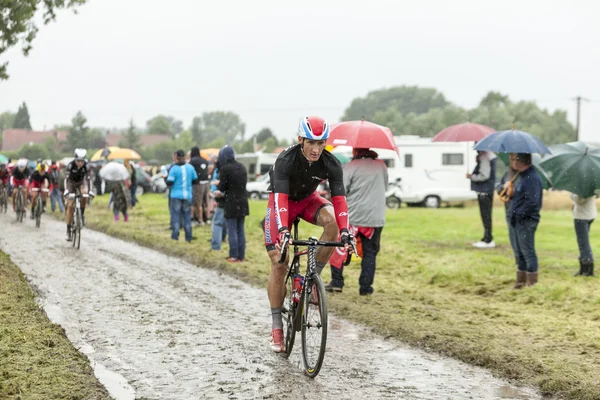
x: 521, y: 189
x: 200, y: 189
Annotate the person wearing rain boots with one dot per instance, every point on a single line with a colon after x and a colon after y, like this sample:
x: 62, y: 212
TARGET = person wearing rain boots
x: 525, y: 217
x: 584, y: 213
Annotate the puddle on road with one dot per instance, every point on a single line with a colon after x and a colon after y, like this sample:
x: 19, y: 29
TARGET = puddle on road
x: 116, y: 384
x: 157, y: 327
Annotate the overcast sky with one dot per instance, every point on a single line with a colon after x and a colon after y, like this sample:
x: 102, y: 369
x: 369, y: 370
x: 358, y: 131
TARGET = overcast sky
x: 274, y: 61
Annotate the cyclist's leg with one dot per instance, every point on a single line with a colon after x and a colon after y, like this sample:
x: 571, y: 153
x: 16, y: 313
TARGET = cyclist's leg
x: 34, y: 194
x: 45, y: 190
x: 83, y: 189
x: 70, y: 203
x: 24, y: 193
x: 275, y: 286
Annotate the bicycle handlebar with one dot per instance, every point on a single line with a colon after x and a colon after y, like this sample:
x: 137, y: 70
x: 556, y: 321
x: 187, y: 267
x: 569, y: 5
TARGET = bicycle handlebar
x: 313, y: 242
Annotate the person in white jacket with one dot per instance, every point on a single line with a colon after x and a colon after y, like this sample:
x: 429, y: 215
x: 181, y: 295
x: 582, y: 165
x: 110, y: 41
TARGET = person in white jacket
x: 584, y: 213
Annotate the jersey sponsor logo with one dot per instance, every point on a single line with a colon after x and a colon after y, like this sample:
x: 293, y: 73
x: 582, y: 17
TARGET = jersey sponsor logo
x: 268, y: 225
x: 283, y: 209
x: 343, y: 214
x: 318, y: 179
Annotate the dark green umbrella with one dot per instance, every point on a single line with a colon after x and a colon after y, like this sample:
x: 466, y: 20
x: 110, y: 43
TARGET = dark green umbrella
x: 535, y: 159
x: 574, y: 167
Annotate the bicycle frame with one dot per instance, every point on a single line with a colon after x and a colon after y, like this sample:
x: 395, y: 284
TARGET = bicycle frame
x: 294, y: 268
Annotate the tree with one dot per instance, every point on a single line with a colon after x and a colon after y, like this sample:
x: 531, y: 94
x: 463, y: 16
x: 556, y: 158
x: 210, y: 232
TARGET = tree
x: 495, y: 110
x: 264, y: 134
x: 7, y: 120
x: 21, y: 120
x: 247, y: 147
x: 78, y: 136
x: 97, y: 139
x: 269, y: 145
x: 216, y: 143
x: 131, y: 139
x: 404, y: 99
x: 217, y: 124
x: 17, y: 23
x: 34, y: 151
x: 164, y: 125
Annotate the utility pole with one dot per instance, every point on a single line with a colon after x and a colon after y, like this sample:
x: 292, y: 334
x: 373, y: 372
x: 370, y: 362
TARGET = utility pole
x: 578, y: 99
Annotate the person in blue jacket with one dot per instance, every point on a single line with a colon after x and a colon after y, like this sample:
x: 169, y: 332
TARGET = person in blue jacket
x: 180, y: 180
x: 525, y: 217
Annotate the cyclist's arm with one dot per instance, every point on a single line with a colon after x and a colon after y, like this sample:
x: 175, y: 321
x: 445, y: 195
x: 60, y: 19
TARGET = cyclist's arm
x: 338, y: 197
x: 281, y: 190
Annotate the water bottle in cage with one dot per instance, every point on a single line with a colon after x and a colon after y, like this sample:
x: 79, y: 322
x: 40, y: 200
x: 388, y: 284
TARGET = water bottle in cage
x: 298, y: 282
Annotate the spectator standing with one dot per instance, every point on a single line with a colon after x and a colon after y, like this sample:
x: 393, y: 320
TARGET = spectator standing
x: 483, y: 180
x: 525, y: 217
x: 133, y: 179
x: 200, y: 187
x: 219, y: 228
x: 232, y: 187
x: 55, y: 194
x: 584, y: 213
x: 180, y: 180
x: 365, y: 181
x: 121, y: 200
x: 62, y: 176
x: 506, y: 189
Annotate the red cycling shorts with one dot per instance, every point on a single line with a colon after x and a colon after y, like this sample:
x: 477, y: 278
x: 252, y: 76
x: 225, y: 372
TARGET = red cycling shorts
x: 307, y: 209
x: 19, y: 182
x: 39, y: 185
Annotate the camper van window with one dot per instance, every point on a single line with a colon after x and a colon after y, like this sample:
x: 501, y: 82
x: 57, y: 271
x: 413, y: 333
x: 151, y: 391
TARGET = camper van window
x: 252, y: 169
x: 408, y: 161
x: 452, y: 159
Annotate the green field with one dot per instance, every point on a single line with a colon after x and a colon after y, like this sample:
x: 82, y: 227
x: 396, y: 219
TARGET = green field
x: 37, y: 361
x: 433, y: 290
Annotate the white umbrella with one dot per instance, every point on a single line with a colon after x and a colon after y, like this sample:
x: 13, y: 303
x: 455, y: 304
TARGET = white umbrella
x: 113, y: 171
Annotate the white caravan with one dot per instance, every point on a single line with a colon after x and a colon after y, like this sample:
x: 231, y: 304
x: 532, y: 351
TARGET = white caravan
x: 257, y: 164
x: 430, y: 172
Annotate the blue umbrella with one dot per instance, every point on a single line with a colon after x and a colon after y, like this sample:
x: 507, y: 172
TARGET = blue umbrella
x: 512, y: 142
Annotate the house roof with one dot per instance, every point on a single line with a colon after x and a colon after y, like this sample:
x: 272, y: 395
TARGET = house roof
x: 14, y: 139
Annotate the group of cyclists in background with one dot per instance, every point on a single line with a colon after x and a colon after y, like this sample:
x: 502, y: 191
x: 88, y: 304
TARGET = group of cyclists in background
x: 20, y: 178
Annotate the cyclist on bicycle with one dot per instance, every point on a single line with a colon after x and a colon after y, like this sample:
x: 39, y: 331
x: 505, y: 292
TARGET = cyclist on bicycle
x: 4, y: 176
x: 40, y: 181
x: 294, y: 179
x: 76, y: 178
x: 19, y: 177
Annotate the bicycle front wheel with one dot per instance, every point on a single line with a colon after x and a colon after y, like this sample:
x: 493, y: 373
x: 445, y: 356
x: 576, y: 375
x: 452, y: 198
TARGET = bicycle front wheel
x: 19, y: 207
x: 76, y: 228
x: 288, y: 313
x: 314, y: 325
x: 38, y: 211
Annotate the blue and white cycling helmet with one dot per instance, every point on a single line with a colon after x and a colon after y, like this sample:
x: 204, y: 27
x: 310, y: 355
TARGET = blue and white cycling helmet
x: 313, y: 128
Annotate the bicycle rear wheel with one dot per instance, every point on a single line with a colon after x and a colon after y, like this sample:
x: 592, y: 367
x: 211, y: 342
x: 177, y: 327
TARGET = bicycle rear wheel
x: 288, y: 313
x: 38, y: 211
x: 314, y: 325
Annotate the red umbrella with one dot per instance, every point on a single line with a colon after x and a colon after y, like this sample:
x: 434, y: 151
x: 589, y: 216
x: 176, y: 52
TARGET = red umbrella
x: 361, y: 134
x: 466, y: 132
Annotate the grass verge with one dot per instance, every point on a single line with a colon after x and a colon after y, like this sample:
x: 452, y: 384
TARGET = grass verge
x: 433, y: 290
x: 37, y: 361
